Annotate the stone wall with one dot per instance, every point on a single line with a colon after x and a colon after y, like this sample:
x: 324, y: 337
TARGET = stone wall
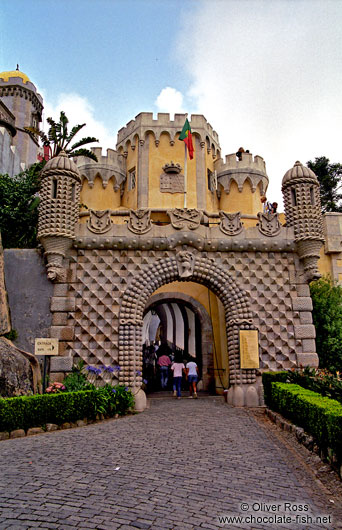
x: 9, y: 156
x: 280, y: 308
x: 29, y: 294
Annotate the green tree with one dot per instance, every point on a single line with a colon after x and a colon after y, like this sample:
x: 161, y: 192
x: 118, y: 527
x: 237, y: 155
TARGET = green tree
x: 327, y: 318
x: 329, y: 176
x: 59, y: 138
x: 19, y: 198
x: 19, y: 208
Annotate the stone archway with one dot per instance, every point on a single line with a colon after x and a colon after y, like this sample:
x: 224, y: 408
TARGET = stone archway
x: 205, y: 322
x: 186, y: 266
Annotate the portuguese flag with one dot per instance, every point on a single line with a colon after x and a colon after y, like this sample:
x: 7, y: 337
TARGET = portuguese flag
x: 186, y: 137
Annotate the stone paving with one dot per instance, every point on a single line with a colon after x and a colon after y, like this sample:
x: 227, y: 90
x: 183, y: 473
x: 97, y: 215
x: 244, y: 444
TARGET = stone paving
x: 181, y: 464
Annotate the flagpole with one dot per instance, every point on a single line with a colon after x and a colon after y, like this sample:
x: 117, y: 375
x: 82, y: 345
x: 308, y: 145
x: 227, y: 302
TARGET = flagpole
x: 185, y: 174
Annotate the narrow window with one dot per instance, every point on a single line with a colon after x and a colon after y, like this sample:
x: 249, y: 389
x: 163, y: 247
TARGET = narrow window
x: 54, y: 189
x: 131, y: 180
x: 293, y: 197
x: 312, y: 196
x: 73, y: 192
x: 209, y: 179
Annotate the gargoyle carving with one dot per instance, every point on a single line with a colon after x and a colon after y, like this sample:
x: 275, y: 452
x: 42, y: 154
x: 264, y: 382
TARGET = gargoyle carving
x: 185, y: 263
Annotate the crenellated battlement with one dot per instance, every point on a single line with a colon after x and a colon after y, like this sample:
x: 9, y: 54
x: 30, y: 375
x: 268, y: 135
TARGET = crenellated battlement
x: 256, y: 163
x: 145, y: 123
x: 107, y: 166
x: 248, y: 169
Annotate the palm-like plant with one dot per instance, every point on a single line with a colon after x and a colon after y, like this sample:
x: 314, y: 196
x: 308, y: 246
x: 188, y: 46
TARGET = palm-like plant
x: 58, y: 138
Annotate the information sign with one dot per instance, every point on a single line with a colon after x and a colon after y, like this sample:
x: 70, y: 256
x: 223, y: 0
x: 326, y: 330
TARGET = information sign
x: 46, y: 347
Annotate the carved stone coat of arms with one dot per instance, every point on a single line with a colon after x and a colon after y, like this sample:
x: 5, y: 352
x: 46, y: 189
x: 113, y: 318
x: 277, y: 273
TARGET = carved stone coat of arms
x: 231, y: 223
x: 140, y: 221
x: 99, y: 221
x: 184, y: 218
x: 269, y: 224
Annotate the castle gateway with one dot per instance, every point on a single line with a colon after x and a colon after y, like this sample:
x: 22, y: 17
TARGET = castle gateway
x: 146, y: 246
x: 164, y: 249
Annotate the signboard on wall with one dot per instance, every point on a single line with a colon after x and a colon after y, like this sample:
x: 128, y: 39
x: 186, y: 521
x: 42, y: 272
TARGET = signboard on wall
x: 46, y: 347
x: 249, y: 349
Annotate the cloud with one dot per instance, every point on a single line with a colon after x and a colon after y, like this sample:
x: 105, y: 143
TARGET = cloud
x: 267, y: 76
x: 170, y: 100
x: 78, y: 110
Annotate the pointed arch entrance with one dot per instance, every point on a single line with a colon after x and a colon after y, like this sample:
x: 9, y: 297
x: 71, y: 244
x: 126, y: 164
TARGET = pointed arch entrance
x: 186, y: 266
x: 201, y: 346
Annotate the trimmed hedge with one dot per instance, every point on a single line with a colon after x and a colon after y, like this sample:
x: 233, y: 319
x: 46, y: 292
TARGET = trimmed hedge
x: 267, y: 379
x: 36, y: 411
x: 319, y: 416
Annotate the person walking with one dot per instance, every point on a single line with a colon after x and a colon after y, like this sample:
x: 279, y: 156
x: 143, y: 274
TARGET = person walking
x: 177, y: 368
x: 164, y: 363
x: 192, y: 375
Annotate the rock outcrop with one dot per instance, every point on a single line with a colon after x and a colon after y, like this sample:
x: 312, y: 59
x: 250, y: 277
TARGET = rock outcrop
x: 19, y: 370
x: 16, y: 376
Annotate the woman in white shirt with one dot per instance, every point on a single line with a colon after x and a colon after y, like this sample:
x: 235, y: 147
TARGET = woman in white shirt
x: 177, y: 368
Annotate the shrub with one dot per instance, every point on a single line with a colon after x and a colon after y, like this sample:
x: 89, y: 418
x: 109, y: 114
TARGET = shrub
x: 318, y: 380
x: 320, y: 416
x: 327, y: 317
x: 19, y: 208
x: 34, y: 411
x: 267, y: 379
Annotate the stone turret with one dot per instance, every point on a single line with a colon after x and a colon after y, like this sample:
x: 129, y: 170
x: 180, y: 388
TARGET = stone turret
x: 149, y: 144
x: 244, y: 174
x: 20, y: 96
x: 58, y: 211
x: 102, y: 181
x: 302, y: 203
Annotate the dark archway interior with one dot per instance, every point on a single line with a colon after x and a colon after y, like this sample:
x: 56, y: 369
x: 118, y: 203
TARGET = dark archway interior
x: 172, y: 326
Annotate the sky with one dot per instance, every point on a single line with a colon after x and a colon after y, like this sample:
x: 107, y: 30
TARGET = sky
x: 266, y: 74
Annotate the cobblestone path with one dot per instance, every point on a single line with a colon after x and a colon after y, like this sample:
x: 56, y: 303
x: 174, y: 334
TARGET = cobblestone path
x: 179, y: 465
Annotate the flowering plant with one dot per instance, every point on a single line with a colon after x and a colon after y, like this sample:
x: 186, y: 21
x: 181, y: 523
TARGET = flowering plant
x: 55, y: 388
x: 318, y: 380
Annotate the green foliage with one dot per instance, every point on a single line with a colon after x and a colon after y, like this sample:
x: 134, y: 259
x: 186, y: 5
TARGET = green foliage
x: 329, y: 176
x: 319, y: 416
x: 59, y: 138
x: 19, y: 208
x: 77, y: 379
x: 267, y: 379
x: 317, y: 380
x: 11, y: 335
x: 327, y: 318
x: 34, y: 411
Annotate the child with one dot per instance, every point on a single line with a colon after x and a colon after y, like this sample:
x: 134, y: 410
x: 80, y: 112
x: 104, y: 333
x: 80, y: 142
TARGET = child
x: 192, y: 374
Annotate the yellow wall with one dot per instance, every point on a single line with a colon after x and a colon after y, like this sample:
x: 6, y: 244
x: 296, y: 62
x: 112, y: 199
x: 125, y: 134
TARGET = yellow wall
x: 200, y: 293
x: 324, y: 263
x: 129, y: 198
x: 98, y: 197
x: 245, y: 201
x: 159, y: 156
